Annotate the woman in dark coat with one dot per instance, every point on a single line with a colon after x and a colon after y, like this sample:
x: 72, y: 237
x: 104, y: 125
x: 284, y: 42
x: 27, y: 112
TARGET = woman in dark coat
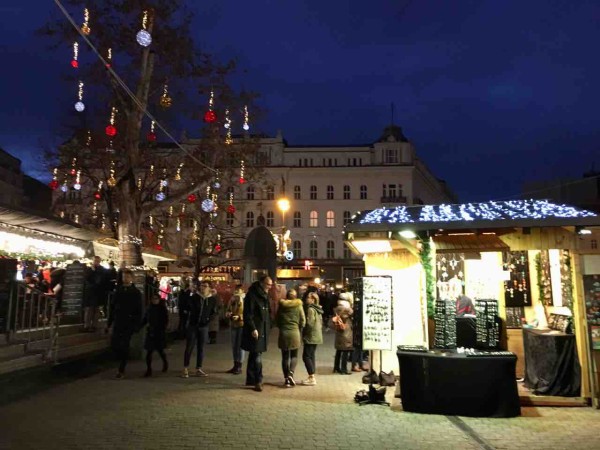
x: 157, y: 319
x: 125, y: 318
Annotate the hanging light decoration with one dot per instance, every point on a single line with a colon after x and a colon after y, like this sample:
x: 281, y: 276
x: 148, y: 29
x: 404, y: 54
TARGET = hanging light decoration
x: 151, y: 136
x: 79, y: 106
x: 143, y: 37
x: 54, y: 183
x: 217, y: 182
x: 228, y: 138
x: 192, y: 198
x: 160, y: 195
x: 210, y: 116
x: 64, y: 187
x: 112, y: 181
x: 246, y: 125
x: 74, y: 61
x: 109, y: 58
x: 242, y: 180
x: 77, y: 185
x: 230, y: 207
x: 178, y: 172
x: 208, y: 205
x: 164, y: 182
x: 73, y: 170
x: 165, y: 100
x: 111, y: 130
x: 85, y: 28
x: 98, y: 193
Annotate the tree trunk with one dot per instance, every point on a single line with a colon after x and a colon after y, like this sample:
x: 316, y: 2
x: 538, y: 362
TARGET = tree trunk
x: 130, y: 217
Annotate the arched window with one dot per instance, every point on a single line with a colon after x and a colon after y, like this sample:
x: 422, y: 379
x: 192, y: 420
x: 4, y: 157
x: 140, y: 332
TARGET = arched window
x: 314, y: 219
x: 297, y: 219
x: 363, y: 192
x: 250, y: 219
x: 270, y: 219
x: 229, y: 219
x: 313, y: 192
x: 346, y: 192
x: 297, y: 249
x: 250, y: 193
x: 297, y: 193
x: 347, y: 217
x: 314, y: 249
x: 330, y: 192
x: 330, y: 249
x: 270, y: 193
x: 347, y: 252
x: 330, y: 219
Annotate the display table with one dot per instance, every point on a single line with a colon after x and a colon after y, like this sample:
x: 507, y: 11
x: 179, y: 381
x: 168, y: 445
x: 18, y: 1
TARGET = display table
x: 454, y: 384
x: 466, y: 332
x: 551, y: 363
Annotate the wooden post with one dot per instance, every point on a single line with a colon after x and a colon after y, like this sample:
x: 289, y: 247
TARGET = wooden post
x: 581, y: 326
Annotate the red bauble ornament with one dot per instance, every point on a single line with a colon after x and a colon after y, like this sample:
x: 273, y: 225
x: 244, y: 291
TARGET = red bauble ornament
x: 97, y: 195
x: 108, y: 66
x: 73, y: 172
x: 242, y: 180
x: 74, y: 64
x: 158, y: 247
x: 192, y: 198
x: 151, y: 136
x: 218, y: 248
x: 231, y: 209
x: 53, y: 184
x: 111, y: 130
x: 210, y: 116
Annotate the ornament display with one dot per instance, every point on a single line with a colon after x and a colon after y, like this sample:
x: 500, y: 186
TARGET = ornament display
x: 216, y: 185
x: 53, y: 185
x: 77, y: 186
x: 79, y: 106
x: 192, y: 198
x: 242, y: 180
x: 97, y: 195
x: 231, y: 209
x: 160, y: 196
x: 85, y: 28
x: 208, y: 205
x: 74, y: 61
x: 165, y: 100
x: 143, y: 37
x: 218, y: 248
x: 73, y: 171
x: 110, y: 129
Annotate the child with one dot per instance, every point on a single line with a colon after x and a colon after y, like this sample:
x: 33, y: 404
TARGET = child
x: 157, y: 318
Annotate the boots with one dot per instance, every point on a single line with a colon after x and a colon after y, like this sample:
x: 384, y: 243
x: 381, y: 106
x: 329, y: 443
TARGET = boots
x: 238, y: 368
x: 233, y: 369
x: 344, y: 364
x: 148, y: 372
x: 336, y: 362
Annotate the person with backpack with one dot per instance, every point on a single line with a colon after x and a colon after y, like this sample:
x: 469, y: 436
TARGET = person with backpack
x: 290, y: 321
x: 341, y: 322
x: 312, y: 336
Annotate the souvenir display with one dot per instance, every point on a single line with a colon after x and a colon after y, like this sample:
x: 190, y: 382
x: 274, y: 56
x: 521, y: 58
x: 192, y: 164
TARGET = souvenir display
x: 445, y: 324
x: 486, y: 325
x: 514, y: 317
x: 517, y: 291
x: 450, y: 269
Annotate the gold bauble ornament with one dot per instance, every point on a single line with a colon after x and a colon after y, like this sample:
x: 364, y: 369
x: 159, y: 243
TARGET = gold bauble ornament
x: 112, y: 181
x: 85, y: 30
x: 166, y: 101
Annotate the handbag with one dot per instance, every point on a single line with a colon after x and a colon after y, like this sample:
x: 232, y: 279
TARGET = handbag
x: 387, y: 379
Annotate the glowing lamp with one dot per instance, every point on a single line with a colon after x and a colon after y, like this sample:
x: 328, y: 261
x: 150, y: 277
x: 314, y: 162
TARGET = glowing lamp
x: 111, y: 130
x: 151, y: 137
x: 143, y: 38
x: 283, y: 204
x: 191, y: 198
x: 79, y: 106
x: 210, y: 116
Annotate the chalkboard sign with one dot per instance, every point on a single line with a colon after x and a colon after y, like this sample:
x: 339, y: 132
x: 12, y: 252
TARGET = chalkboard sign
x: 514, y: 316
x: 73, y: 290
x: 377, y: 317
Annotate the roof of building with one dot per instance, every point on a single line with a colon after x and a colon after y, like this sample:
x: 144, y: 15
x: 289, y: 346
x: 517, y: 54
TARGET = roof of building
x: 491, y: 214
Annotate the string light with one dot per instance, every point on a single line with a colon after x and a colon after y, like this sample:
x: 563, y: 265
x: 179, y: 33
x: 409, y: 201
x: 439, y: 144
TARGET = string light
x: 210, y: 116
x: 77, y: 185
x: 88, y: 140
x: 139, y: 183
x: 95, y: 210
x: 151, y: 136
x: 178, y: 226
x: 108, y: 58
x: 242, y: 180
x: 178, y: 172
x: 208, y: 205
x: 112, y: 181
x: 246, y: 125
x: 165, y: 100
x: 111, y: 130
x: 151, y: 220
x: 228, y: 138
x: 85, y: 28
x: 79, y: 106
x: 98, y: 193
x: 231, y: 207
x: 160, y: 195
x: 54, y: 183
x: 73, y: 170
x: 143, y: 37
x: 74, y: 61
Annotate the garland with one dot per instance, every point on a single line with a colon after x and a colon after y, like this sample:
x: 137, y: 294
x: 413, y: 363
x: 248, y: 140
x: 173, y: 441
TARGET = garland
x: 425, y: 255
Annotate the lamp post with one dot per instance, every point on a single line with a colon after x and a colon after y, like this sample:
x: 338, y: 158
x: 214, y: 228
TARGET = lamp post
x: 284, y: 205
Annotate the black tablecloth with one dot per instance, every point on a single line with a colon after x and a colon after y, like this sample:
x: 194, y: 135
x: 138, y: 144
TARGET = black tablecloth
x: 551, y: 363
x: 466, y: 333
x: 458, y: 385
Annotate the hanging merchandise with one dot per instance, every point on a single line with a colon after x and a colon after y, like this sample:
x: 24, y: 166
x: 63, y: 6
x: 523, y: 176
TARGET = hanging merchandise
x: 109, y: 58
x: 54, y: 183
x: 111, y: 130
x: 79, y: 106
x: 151, y: 136
x: 246, y: 125
x: 165, y: 100
x: 85, y: 28
x: 242, y: 180
x: 210, y: 116
x: 74, y: 61
x: 143, y: 37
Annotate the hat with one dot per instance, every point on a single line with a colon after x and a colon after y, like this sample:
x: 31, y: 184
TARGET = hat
x: 344, y: 296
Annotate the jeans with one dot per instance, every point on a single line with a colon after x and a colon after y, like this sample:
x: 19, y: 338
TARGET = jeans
x: 358, y: 357
x: 289, y: 359
x: 254, y: 373
x: 162, y: 354
x: 195, y: 335
x: 308, y: 356
x: 236, y: 344
x: 90, y: 317
x: 340, y: 363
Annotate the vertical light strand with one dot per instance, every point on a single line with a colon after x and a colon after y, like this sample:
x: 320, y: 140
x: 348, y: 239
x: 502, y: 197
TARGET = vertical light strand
x: 246, y: 125
x: 75, y: 60
x: 85, y: 27
x: 79, y: 106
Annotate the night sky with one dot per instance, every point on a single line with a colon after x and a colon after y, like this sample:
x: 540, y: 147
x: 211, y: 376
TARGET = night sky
x: 492, y: 93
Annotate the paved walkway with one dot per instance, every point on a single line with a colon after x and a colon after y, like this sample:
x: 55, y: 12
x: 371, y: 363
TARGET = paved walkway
x: 218, y: 412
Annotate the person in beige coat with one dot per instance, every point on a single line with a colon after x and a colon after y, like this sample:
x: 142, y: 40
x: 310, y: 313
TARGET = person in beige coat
x: 235, y: 314
x: 343, y: 335
x: 290, y: 320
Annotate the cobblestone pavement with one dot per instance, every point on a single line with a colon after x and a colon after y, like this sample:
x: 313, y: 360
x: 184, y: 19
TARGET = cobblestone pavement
x: 218, y: 412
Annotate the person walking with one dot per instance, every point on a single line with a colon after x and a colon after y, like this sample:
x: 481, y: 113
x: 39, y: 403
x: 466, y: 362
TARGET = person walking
x: 202, y: 308
x: 96, y: 290
x: 157, y: 319
x: 215, y: 322
x: 183, y: 310
x: 312, y: 336
x: 125, y: 318
x: 290, y: 321
x: 342, y: 324
x: 235, y: 314
x: 257, y: 324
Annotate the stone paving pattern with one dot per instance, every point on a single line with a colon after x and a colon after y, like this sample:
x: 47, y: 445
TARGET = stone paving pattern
x: 218, y: 412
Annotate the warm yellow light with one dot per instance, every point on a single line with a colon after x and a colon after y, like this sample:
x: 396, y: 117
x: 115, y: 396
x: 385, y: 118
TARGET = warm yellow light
x: 372, y: 246
x: 283, y: 204
x: 317, y: 281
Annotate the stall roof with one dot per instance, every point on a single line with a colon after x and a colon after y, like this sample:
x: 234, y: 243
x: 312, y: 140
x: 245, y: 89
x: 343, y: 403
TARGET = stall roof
x: 491, y: 214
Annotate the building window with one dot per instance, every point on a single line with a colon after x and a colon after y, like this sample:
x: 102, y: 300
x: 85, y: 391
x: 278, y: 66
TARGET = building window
x: 347, y: 217
x: 314, y: 219
x: 363, y: 192
x: 594, y: 244
x: 313, y: 192
x: 347, y: 252
x: 297, y: 249
x: 270, y: 219
x: 250, y: 193
x: 297, y: 193
x: 330, y: 249
x: 270, y: 193
x: 297, y: 219
x: 229, y: 219
x: 390, y: 156
x: 330, y: 219
x: 314, y: 249
x: 329, y: 192
x: 300, y: 162
x: 250, y: 219
x: 346, y: 192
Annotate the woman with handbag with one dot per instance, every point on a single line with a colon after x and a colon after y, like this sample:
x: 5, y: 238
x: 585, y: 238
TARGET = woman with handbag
x: 342, y: 324
x: 290, y: 320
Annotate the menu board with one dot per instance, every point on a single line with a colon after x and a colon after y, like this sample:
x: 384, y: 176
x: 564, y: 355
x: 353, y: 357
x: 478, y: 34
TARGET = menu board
x: 73, y: 290
x: 376, y: 305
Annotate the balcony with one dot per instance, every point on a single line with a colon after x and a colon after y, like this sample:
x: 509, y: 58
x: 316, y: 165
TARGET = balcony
x: 393, y: 199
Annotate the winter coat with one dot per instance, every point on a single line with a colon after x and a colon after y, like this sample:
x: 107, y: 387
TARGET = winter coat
x: 257, y: 316
x: 96, y: 286
x: 157, y: 319
x: 290, y: 320
x: 125, y: 315
x: 236, y: 308
x: 215, y: 321
x: 313, y: 331
x: 200, y: 309
x: 343, y: 339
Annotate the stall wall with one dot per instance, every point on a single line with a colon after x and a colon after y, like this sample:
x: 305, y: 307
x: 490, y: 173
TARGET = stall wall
x: 409, y: 322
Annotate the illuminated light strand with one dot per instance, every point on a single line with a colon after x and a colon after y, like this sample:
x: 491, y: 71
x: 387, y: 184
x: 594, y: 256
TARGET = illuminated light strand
x: 108, y: 63
x: 111, y: 130
x: 75, y: 60
x: 85, y: 28
x: 131, y: 239
x: 246, y: 125
x: 79, y: 105
x: 178, y: 172
x: 165, y: 100
x: 227, y: 125
x: 242, y: 180
x: 88, y: 140
x: 77, y: 185
x: 143, y: 37
x: 112, y: 181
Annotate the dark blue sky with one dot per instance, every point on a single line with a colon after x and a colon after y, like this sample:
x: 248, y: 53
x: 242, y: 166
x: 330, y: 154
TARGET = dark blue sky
x: 490, y: 92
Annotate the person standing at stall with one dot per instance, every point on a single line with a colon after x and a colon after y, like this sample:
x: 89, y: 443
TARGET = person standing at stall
x: 290, y: 321
x: 235, y: 314
x: 342, y: 324
x: 257, y: 324
x: 125, y: 318
x: 312, y: 336
x: 96, y: 291
x: 157, y: 319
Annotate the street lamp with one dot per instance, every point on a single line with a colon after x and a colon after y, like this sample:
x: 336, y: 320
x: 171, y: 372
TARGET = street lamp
x: 284, y: 205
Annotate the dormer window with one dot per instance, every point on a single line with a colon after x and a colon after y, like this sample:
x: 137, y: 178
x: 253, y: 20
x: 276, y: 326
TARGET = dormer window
x: 390, y: 156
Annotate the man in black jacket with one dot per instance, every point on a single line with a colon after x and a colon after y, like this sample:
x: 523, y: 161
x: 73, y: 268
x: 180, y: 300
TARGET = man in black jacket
x: 257, y: 323
x: 201, y: 308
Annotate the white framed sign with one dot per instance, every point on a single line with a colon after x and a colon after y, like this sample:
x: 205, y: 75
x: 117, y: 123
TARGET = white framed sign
x: 377, y: 313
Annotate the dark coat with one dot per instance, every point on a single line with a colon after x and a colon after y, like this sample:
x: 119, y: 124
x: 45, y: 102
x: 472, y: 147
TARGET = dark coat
x: 343, y: 339
x: 125, y: 315
x: 257, y: 316
x: 157, y: 319
x: 200, y: 309
x: 96, y: 286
